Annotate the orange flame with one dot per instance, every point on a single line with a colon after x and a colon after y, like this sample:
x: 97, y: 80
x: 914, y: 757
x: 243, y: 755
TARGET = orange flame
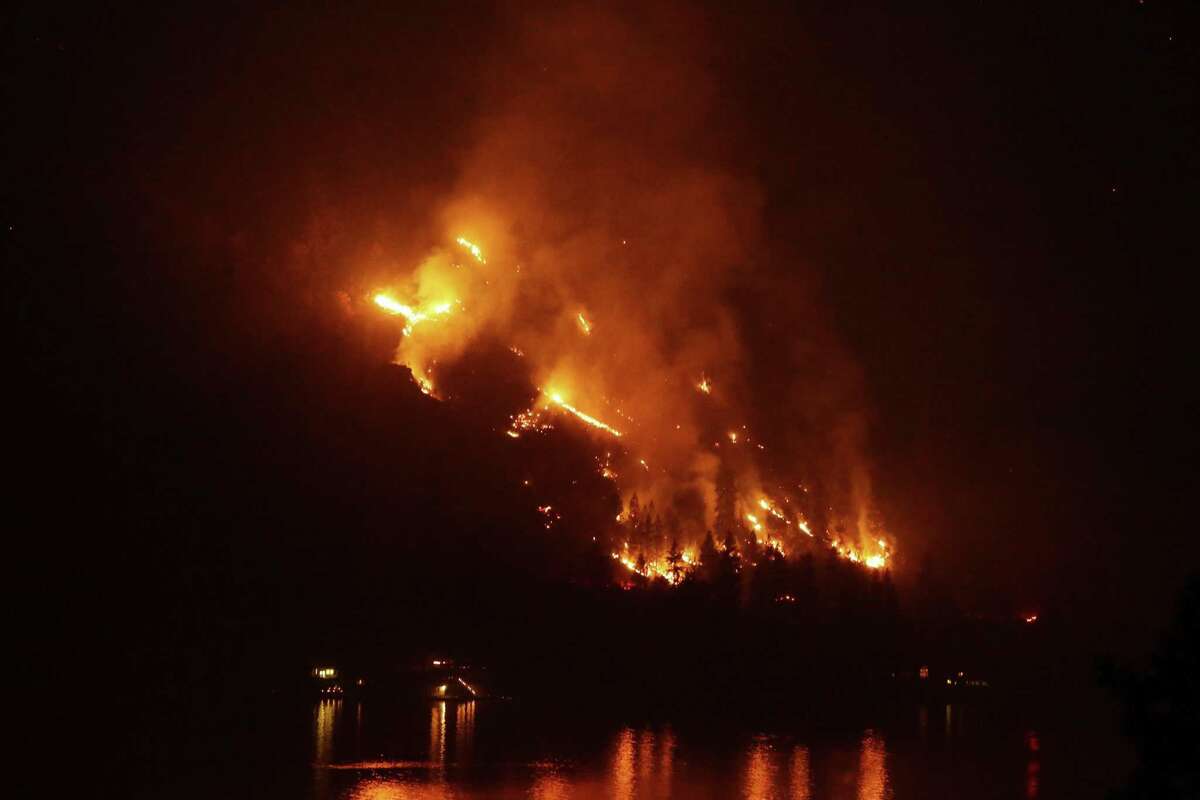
x: 411, y: 315
x: 557, y: 400
x: 472, y: 248
x: 435, y: 281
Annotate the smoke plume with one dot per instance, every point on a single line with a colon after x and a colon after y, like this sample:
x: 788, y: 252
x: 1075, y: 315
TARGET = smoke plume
x: 622, y: 266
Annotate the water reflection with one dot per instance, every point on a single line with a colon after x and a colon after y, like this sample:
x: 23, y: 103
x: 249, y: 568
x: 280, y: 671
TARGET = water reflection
x: 642, y: 764
x: 1033, y: 767
x: 464, y: 731
x: 621, y: 766
x: 437, y: 733
x: 801, y: 780
x: 324, y: 718
x: 760, y: 772
x: 372, y: 788
x: 645, y: 757
x: 551, y: 787
x: 438, y: 751
x: 872, y: 771
x: 666, y: 758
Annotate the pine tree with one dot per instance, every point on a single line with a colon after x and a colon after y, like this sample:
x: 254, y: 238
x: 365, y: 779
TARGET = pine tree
x: 730, y: 545
x: 726, y: 511
x: 709, y: 558
x: 752, y: 551
x: 653, y: 530
x: 675, y: 561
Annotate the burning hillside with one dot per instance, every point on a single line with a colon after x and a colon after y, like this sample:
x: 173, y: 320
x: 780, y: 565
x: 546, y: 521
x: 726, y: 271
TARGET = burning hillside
x: 680, y: 448
x: 607, y: 248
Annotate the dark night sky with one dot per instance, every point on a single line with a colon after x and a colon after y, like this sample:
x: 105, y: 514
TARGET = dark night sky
x: 995, y: 205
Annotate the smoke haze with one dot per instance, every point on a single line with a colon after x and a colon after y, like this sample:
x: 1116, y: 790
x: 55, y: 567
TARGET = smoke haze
x: 624, y: 263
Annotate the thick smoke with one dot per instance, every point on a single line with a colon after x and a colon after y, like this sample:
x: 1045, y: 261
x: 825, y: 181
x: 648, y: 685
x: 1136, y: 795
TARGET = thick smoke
x: 626, y: 264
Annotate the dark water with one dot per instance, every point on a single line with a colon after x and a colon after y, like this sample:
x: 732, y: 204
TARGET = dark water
x: 379, y: 751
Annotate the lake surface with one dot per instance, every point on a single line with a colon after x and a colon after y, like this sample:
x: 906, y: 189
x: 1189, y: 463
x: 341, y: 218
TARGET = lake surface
x: 384, y: 751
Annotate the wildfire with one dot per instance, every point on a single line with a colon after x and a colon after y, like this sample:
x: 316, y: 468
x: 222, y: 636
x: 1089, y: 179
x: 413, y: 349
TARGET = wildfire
x: 856, y: 555
x: 424, y: 382
x: 653, y: 569
x: 606, y: 470
x: 557, y: 400
x: 434, y: 279
x: 411, y: 315
x: 530, y: 420
x: 473, y: 249
x: 394, y: 307
x: 767, y: 506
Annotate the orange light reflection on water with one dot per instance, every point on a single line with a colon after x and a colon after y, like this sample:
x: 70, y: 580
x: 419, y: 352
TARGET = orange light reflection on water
x: 760, y: 772
x: 642, y: 763
x: 872, y: 768
x: 622, y: 766
x: 645, y: 757
x: 801, y: 779
x: 393, y: 788
x: 551, y: 787
x: 437, y: 733
x: 1033, y: 768
x: 326, y: 715
x: 464, y: 731
x: 666, y: 759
